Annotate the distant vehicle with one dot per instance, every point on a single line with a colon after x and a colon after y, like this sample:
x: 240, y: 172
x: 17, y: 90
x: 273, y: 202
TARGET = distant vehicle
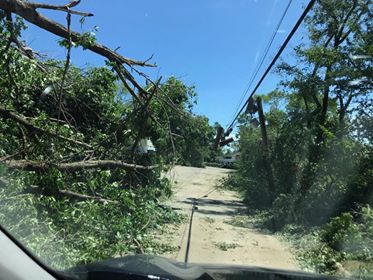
x: 228, y: 160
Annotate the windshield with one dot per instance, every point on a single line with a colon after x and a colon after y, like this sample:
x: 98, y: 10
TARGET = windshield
x: 216, y: 132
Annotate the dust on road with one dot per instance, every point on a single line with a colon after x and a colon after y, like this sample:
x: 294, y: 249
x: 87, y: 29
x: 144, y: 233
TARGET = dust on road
x: 214, y: 238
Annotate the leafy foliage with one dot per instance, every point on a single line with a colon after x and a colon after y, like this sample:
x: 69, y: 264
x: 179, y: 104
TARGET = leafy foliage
x: 193, y: 136
x: 64, y: 232
x: 320, y: 148
x: 68, y: 217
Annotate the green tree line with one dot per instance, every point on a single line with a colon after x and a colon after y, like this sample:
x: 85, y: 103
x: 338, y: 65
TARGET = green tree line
x: 319, y: 124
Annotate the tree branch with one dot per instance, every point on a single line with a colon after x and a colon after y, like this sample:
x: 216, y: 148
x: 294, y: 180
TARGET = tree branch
x: 80, y: 196
x: 3, y: 182
x: 67, y: 64
x: 122, y: 77
x: 22, y: 120
x: 73, y: 166
x: 27, y: 10
x: 65, y: 8
x: 34, y: 189
x: 339, y: 38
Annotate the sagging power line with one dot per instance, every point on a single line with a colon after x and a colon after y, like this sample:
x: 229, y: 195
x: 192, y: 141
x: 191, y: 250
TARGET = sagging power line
x: 283, y: 46
x: 262, y: 59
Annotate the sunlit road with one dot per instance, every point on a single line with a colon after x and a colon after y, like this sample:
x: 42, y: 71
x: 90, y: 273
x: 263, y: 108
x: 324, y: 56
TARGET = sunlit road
x: 215, y: 238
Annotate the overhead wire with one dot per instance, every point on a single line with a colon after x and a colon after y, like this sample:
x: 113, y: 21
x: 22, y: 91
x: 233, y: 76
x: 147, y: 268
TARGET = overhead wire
x: 263, y: 57
x: 283, y: 46
x: 188, y: 241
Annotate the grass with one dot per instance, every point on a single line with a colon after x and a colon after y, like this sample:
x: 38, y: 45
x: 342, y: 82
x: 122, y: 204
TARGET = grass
x: 209, y: 220
x: 260, y: 220
x: 153, y: 243
x: 157, y: 248
x: 224, y: 246
x: 240, y: 221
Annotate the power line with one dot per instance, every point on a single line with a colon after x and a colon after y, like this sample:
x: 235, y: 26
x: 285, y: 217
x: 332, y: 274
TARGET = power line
x: 269, y: 44
x: 283, y: 46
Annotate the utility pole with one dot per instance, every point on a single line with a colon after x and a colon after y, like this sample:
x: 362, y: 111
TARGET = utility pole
x: 271, y: 181
x: 262, y: 123
x: 219, y: 135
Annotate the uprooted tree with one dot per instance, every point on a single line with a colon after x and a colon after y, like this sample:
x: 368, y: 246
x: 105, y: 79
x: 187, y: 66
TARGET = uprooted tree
x: 70, y: 171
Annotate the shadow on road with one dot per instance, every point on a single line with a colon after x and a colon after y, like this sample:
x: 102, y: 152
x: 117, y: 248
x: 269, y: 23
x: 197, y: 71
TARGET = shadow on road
x: 211, y: 202
x: 214, y: 212
x: 216, y: 206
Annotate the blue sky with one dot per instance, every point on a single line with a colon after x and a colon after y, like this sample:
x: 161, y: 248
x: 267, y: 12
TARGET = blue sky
x: 212, y: 44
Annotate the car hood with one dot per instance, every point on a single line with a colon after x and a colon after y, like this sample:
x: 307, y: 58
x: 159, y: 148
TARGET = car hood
x: 152, y: 267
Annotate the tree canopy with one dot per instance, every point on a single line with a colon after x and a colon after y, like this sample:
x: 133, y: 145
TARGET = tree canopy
x: 71, y: 173
x: 318, y: 121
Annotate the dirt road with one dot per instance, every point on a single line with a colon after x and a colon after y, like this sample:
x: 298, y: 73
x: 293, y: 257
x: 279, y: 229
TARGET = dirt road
x: 215, y: 238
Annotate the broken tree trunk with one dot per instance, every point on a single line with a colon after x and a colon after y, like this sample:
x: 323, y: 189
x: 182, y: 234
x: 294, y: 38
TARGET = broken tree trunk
x: 263, y: 128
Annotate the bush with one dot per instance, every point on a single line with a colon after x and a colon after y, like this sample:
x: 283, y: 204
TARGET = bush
x: 342, y: 234
x: 254, y: 197
x: 345, y: 243
x: 351, y: 236
x: 283, y: 210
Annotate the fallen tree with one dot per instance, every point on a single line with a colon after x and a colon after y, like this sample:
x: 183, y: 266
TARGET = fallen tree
x: 69, y: 166
x: 73, y: 166
x: 5, y: 113
x: 28, y: 11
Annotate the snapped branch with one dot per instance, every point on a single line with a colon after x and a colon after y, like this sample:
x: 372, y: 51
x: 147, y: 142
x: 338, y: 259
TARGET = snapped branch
x: 65, y: 8
x: 6, y: 113
x: 74, y: 166
x: 27, y: 10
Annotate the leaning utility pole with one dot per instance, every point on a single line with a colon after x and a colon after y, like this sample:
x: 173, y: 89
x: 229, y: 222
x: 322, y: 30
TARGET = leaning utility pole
x: 271, y: 181
x: 262, y: 124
